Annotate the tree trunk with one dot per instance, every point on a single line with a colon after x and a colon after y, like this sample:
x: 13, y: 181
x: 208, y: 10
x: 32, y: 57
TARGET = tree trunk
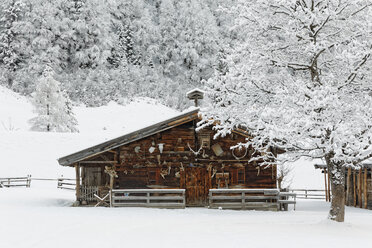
x: 337, y: 173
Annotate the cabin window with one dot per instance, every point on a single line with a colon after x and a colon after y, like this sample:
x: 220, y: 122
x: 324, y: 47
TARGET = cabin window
x: 241, y: 176
x: 223, y: 180
x: 205, y: 140
x: 153, y: 177
x: 238, y: 176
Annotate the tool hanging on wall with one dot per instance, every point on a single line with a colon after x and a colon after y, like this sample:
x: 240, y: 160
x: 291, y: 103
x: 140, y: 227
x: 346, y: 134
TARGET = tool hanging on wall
x: 236, y: 157
x: 258, y: 170
x: 214, y: 172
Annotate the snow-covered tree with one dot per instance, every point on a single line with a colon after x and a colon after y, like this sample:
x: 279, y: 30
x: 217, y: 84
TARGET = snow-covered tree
x: 52, y: 106
x: 83, y: 34
x: 301, y: 82
x: 42, y: 48
x: 198, y: 40
x: 11, y: 52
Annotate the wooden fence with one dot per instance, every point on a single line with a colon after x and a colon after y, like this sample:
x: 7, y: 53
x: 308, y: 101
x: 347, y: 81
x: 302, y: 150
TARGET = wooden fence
x: 311, y: 194
x: 260, y: 199
x: 16, y: 182
x: 158, y: 198
x: 87, y: 193
x: 66, y: 183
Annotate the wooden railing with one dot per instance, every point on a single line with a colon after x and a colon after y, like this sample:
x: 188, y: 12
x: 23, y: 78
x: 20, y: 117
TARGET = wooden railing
x: 159, y: 198
x: 87, y: 193
x: 16, y: 182
x: 260, y: 199
x: 286, y: 198
x: 66, y: 183
x: 311, y: 194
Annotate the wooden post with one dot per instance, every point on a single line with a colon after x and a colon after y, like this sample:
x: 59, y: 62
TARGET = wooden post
x: 329, y: 187
x: 365, y: 188
x: 243, y: 200
x: 348, y: 188
x: 110, y: 198
x: 210, y: 198
x: 325, y: 184
x: 360, y: 189
x: 354, y: 184
x: 77, y: 170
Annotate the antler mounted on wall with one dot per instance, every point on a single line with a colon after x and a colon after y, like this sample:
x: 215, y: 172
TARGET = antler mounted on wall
x: 195, y: 153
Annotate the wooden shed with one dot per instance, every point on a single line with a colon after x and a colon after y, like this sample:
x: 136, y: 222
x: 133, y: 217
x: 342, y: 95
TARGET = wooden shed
x: 169, y: 155
x: 358, y: 185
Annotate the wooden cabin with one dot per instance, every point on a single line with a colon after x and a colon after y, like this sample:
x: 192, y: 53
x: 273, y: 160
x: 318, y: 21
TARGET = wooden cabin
x: 169, y: 155
x: 358, y: 185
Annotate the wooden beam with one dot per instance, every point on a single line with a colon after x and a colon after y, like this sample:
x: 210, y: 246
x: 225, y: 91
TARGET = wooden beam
x: 97, y: 162
x: 77, y: 171
x: 354, y: 184
x: 360, y: 188
x: 365, y: 188
x: 348, y: 188
x: 329, y: 187
x: 325, y: 184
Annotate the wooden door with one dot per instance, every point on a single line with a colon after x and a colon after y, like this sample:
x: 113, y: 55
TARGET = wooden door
x: 92, y: 176
x: 196, y: 187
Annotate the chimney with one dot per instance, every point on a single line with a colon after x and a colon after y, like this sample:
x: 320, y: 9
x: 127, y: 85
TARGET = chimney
x: 195, y: 95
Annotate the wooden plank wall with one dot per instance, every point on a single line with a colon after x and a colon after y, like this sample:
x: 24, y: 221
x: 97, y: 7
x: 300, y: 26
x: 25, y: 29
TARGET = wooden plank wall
x: 164, y: 160
x: 359, y: 188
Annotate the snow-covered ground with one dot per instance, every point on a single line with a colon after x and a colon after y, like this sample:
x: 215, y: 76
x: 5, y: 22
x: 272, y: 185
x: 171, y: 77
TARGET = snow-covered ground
x: 23, y: 152
x: 41, y: 217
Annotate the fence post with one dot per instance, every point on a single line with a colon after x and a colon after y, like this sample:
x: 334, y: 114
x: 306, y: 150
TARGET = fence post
x: 110, y: 198
x: 210, y: 198
x: 243, y: 199
x: 28, y: 181
x: 148, y: 198
x: 184, y: 198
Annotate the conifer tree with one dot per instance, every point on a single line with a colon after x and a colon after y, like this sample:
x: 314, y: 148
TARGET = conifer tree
x: 10, y: 43
x: 54, y: 112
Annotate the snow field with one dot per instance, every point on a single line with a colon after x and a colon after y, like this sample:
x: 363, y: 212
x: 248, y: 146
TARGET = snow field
x: 40, y: 217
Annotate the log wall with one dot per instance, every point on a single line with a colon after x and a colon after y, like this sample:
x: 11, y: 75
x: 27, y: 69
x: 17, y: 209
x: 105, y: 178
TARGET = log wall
x: 358, y: 188
x: 174, y: 159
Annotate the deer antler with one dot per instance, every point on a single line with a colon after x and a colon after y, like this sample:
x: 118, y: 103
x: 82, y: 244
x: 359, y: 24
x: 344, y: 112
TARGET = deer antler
x: 195, y: 153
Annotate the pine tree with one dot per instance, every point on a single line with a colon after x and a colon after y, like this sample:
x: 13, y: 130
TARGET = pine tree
x: 10, y: 43
x: 52, y: 106
x: 84, y: 34
x: 222, y: 67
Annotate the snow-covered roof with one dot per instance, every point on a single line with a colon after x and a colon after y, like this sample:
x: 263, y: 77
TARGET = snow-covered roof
x: 196, y: 90
x: 130, y: 137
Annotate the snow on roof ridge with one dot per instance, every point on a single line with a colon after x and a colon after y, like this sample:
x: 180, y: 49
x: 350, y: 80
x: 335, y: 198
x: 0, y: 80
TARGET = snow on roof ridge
x: 193, y: 90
